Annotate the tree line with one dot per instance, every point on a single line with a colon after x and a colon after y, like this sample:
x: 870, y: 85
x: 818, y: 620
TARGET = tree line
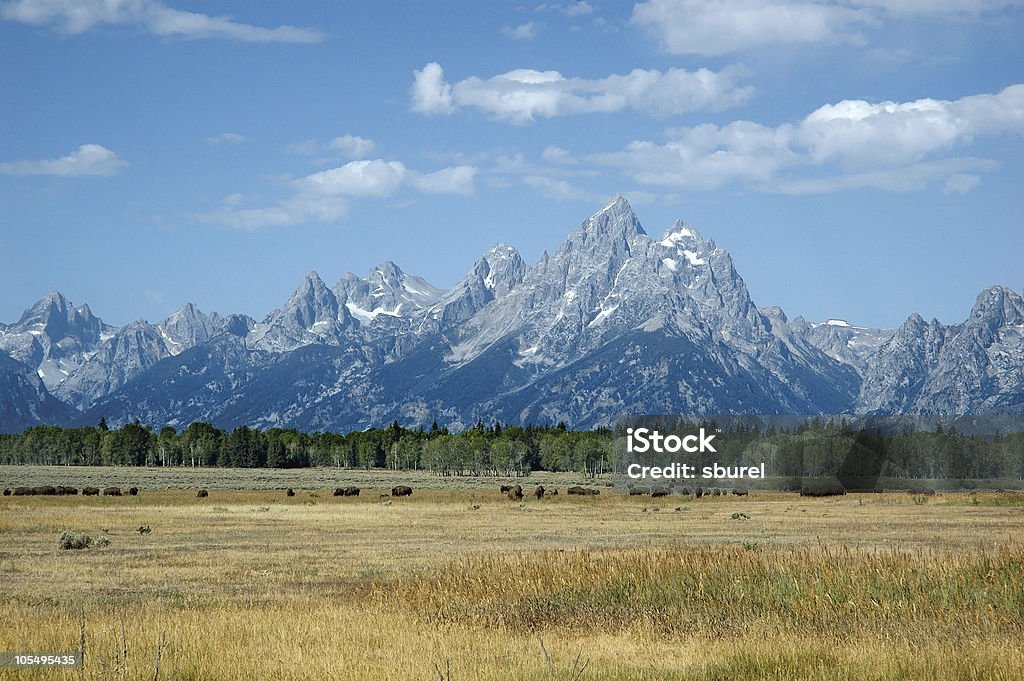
x: 816, y: 447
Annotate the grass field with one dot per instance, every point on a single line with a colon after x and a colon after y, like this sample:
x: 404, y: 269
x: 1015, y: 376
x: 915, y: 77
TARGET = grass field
x: 459, y: 583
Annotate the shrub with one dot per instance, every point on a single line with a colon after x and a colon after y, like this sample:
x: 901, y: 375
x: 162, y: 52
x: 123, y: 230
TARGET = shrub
x: 75, y: 540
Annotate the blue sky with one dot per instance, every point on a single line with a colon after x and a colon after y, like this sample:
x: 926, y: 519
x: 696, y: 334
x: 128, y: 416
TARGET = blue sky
x: 860, y: 159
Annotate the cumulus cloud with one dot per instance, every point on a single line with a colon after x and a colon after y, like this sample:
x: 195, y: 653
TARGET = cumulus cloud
x: 456, y: 180
x: 716, y: 27
x: 522, y: 95
x: 352, y: 146
x: 888, y: 145
x: 324, y: 196
x: 430, y: 93
x: 578, y: 9
x: 78, y: 16
x: 522, y: 32
x: 88, y: 159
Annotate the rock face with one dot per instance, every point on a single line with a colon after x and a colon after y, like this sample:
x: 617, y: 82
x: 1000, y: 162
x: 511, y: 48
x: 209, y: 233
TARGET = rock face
x: 974, y: 367
x: 614, y: 322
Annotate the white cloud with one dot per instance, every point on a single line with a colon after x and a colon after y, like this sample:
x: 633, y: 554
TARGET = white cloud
x: 226, y: 138
x: 522, y: 95
x: 324, y: 196
x: 716, y: 27
x: 79, y: 16
x: 430, y: 93
x: 456, y: 180
x: 358, y: 178
x: 522, y: 32
x: 889, y: 145
x: 578, y: 9
x: 558, y: 189
x: 352, y: 146
x: 88, y: 159
x: 556, y: 154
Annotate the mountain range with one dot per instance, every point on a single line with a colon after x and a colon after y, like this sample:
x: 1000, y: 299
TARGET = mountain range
x: 614, y: 322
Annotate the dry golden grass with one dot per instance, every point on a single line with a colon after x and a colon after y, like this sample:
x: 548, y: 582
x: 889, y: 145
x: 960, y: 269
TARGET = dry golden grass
x: 256, y: 585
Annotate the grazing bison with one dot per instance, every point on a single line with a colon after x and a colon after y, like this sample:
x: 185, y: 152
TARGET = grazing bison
x: 7, y: 492
x: 740, y: 492
x: 685, y: 491
x: 289, y: 492
x: 348, y: 492
x: 401, y: 491
x: 44, y: 489
x: 202, y: 494
x: 660, y: 491
x: 539, y: 492
x: 505, y: 489
x: 583, y: 491
x: 515, y: 493
x: 90, y: 491
x: 69, y: 490
x: 22, y: 491
x: 637, y: 491
x: 111, y: 491
x: 133, y: 491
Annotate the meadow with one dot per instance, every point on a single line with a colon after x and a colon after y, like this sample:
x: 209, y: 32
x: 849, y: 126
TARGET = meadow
x: 457, y: 582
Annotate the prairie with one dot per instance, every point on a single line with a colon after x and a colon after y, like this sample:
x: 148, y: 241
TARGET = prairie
x: 457, y: 582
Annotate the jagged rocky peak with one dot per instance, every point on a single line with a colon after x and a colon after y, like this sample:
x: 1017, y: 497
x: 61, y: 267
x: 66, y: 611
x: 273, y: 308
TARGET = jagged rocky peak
x: 997, y: 306
x: 680, y: 235
x: 189, y: 326
x: 55, y: 317
x: 501, y: 268
x: 311, y: 303
x: 611, y: 228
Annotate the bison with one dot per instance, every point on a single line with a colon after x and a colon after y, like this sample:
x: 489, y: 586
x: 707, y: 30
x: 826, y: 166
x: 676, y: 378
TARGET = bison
x: 69, y: 490
x: 505, y: 489
x: 583, y: 491
x: 515, y: 493
x: 740, y: 492
x: 111, y: 491
x: 401, y: 491
x: 637, y: 491
x: 660, y: 491
x: 202, y: 494
x: 22, y: 491
x: 7, y: 492
x: 553, y: 493
x: 44, y: 489
x: 90, y: 491
x: 347, y: 492
x: 133, y: 491
x: 289, y: 492
x: 539, y: 492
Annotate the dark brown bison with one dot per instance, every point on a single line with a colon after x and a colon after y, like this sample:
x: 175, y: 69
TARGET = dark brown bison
x: 289, y: 492
x: 660, y: 491
x: 740, y: 492
x: 401, y: 491
x: 539, y: 492
x: 111, y: 491
x: 202, y: 494
x: 22, y: 491
x: 505, y: 489
x: 7, y: 492
x: 339, y: 491
x: 637, y: 491
x: 133, y: 491
x: 354, y: 492
x: 583, y: 491
x: 515, y: 493
x: 44, y: 489
x: 90, y: 491
x: 699, y: 492
x: 70, y: 490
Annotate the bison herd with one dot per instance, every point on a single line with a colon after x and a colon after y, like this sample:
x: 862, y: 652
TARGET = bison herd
x: 60, y: 490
